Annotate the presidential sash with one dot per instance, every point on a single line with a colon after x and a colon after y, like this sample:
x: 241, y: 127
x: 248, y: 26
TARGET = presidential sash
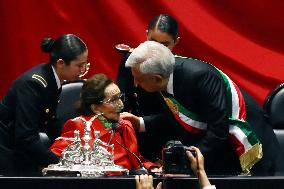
x: 244, y: 141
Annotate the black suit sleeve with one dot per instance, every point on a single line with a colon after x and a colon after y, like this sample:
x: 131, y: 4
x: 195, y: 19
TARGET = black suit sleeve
x: 155, y: 123
x: 28, y: 111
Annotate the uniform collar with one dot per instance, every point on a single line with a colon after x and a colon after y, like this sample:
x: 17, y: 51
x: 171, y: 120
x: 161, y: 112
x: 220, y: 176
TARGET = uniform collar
x: 170, y: 88
x: 56, y: 78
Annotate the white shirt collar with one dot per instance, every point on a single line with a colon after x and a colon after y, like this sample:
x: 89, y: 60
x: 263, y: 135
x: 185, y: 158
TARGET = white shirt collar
x: 56, y: 78
x: 170, y: 88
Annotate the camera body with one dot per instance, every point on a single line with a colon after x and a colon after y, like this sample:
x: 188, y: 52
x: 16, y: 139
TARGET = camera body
x: 175, y: 159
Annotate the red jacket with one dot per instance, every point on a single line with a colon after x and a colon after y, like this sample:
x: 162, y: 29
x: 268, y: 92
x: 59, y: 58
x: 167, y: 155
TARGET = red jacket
x: 125, y: 135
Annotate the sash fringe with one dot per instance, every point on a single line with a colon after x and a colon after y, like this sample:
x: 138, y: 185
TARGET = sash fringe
x: 250, y: 157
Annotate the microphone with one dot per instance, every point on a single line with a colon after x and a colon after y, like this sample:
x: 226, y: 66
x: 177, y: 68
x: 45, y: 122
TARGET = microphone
x: 115, y: 126
x: 140, y: 171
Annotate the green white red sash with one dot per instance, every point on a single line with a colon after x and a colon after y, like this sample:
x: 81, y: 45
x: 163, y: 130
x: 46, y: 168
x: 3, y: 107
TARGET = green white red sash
x: 244, y: 141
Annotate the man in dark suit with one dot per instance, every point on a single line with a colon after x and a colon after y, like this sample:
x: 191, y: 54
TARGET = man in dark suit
x: 162, y: 28
x: 29, y: 107
x: 205, y: 108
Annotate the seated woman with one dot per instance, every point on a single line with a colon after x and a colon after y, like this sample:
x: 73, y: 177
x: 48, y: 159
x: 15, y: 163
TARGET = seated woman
x: 101, y: 97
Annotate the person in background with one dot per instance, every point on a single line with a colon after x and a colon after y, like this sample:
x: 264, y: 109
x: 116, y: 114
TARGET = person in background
x: 203, y: 107
x: 196, y: 164
x: 101, y: 104
x: 29, y: 107
x: 162, y: 28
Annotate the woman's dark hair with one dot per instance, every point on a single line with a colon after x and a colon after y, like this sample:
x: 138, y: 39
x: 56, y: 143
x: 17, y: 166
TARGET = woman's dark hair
x: 67, y: 47
x: 165, y: 23
x: 93, y: 92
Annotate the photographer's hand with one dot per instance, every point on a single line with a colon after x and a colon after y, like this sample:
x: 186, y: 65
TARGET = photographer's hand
x: 146, y: 182
x: 197, y: 166
x: 197, y: 162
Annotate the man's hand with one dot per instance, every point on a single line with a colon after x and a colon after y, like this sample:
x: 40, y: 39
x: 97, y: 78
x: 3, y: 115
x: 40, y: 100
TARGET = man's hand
x: 196, y: 163
x: 197, y: 166
x: 132, y: 118
x: 146, y: 182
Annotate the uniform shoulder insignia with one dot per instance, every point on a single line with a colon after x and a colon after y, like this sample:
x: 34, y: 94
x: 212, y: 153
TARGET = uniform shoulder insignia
x: 40, y: 79
x: 123, y: 48
x: 179, y: 56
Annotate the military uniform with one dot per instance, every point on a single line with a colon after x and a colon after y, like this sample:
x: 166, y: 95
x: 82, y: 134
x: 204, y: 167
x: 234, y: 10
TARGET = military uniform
x: 28, y: 108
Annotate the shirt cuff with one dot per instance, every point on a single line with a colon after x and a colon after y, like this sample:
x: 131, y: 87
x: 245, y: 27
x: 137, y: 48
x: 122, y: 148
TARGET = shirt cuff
x: 142, y: 125
x: 209, y: 187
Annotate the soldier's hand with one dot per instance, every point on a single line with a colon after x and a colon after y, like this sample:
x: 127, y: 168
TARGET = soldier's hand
x: 132, y: 118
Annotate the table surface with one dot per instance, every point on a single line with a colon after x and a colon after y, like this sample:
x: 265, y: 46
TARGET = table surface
x: 226, y: 182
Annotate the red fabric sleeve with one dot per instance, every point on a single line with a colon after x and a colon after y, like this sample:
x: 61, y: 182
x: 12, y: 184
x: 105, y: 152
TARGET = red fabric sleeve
x: 68, y: 131
x: 130, y: 141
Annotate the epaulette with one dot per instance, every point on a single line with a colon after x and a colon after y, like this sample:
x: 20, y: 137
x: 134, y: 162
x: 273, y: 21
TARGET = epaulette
x: 179, y: 56
x: 123, y: 48
x: 40, y: 79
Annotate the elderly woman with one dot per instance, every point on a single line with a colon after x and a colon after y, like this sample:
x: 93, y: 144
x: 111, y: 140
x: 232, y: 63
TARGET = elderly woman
x: 101, y: 96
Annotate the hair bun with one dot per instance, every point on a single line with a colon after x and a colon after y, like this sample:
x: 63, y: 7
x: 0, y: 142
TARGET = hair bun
x: 47, y: 44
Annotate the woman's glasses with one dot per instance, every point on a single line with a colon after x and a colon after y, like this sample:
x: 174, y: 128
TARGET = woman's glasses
x: 115, y: 100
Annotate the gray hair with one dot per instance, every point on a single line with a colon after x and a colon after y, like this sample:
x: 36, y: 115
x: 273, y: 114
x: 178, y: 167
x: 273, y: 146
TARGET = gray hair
x: 152, y: 58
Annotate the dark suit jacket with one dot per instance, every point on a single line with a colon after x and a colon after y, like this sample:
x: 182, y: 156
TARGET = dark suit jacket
x: 29, y: 107
x: 199, y: 87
